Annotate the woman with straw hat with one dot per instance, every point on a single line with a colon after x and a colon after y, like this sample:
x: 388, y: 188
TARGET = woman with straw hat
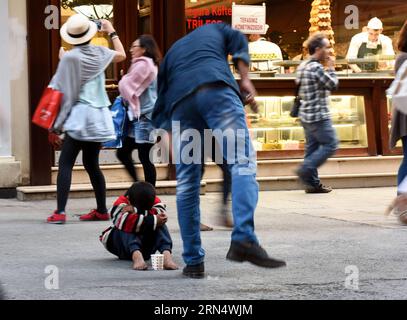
x: 84, y: 118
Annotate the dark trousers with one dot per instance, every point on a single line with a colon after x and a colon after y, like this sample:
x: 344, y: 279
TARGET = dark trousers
x: 125, y: 155
x: 123, y: 244
x: 70, y: 151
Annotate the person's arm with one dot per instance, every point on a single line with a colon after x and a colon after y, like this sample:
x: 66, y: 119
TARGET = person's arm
x: 159, y: 211
x: 135, y: 83
x: 246, y: 85
x: 388, y: 49
x: 353, y: 53
x: 328, y: 79
x: 126, y: 218
x: 117, y: 44
x: 237, y: 47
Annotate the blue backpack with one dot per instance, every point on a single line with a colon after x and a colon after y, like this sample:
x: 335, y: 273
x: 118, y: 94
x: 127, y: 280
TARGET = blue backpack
x: 119, y: 115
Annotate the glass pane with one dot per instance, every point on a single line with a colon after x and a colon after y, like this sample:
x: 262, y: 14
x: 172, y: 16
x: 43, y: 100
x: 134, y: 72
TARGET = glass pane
x: 144, y: 9
x: 95, y: 10
x: 291, y: 22
x: 273, y: 128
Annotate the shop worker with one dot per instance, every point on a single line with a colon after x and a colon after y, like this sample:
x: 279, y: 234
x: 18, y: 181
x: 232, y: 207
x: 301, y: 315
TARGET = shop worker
x: 197, y: 91
x: 262, y: 49
x: 368, y: 44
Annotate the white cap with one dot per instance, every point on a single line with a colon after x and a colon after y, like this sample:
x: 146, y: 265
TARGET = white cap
x: 375, y: 24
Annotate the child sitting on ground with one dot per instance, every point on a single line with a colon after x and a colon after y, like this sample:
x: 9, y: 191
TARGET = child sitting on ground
x: 139, y: 228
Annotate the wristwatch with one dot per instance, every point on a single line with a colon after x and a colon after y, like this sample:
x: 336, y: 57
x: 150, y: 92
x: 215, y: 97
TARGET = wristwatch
x: 113, y: 34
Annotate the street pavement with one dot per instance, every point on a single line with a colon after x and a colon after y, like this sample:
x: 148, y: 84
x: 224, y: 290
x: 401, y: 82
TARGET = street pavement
x: 337, y: 246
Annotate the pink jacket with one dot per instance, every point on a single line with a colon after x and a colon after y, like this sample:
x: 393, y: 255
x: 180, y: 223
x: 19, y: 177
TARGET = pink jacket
x: 141, y: 75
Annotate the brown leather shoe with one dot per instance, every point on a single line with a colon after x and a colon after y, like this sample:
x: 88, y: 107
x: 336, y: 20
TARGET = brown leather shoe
x: 195, y: 272
x: 320, y: 189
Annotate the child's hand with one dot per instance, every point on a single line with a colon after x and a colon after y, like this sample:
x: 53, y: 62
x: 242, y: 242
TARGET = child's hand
x: 162, y: 219
x: 129, y: 209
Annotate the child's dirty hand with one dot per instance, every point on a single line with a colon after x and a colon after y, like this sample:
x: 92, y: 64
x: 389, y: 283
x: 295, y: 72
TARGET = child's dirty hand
x: 129, y: 209
x: 162, y: 219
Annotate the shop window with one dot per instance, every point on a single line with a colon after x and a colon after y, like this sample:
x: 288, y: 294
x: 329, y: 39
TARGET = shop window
x: 144, y: 9
x: 291, y: 21
x: 273, y: 129
x: 94, y: 10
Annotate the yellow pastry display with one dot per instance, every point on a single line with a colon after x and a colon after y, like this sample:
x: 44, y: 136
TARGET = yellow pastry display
x: 321, y: 20
x: 262, y: 56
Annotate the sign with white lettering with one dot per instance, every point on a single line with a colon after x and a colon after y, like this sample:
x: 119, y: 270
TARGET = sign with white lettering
x: 249, y: 19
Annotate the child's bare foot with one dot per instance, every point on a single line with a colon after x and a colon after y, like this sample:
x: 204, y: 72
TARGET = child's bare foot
x: 169, y: 263
x: 138, y: 262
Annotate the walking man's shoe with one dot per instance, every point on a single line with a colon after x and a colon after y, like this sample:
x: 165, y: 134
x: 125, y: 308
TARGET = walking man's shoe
x: 195, y: 272
x: 319, y: 189
x: 95, y: 216
x: 254, y: 253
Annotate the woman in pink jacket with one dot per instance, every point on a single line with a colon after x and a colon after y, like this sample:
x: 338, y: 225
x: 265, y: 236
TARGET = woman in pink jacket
x: 139, y: 90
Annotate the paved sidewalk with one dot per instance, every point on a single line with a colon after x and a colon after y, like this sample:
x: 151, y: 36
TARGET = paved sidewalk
x: 322, y: 237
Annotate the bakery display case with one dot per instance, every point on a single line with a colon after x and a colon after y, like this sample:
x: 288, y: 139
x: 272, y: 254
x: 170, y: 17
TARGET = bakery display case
x: 272, y: 129
x: 372, y: 67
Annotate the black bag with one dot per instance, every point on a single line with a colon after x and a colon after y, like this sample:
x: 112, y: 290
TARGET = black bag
x: 295, y: 111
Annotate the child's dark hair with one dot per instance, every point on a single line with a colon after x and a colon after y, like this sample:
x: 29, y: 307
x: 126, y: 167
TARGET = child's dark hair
x: 142, y: 196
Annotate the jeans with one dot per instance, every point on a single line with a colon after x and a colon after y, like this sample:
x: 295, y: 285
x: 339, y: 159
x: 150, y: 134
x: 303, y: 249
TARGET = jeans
x: 227, y: 178
x: 403, y: 167
x: 123, y: 245
x: 214, y: 107
x: 321, y: 143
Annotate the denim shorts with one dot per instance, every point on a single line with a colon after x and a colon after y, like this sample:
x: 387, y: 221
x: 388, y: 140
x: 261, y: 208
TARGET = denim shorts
x: 143, y: 131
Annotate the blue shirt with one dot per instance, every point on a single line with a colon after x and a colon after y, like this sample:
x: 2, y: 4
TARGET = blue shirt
x: 199, y: 58
x: 148, y: 100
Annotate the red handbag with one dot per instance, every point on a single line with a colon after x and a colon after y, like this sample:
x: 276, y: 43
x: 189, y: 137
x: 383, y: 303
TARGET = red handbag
x: 48, y: 109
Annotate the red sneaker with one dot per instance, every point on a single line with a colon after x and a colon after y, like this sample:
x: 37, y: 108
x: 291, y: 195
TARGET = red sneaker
x: 95, y: 216
x: 57, y: 218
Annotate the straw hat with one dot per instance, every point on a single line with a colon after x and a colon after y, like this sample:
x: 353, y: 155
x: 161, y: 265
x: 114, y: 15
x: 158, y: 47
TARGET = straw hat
x: 78, y: 30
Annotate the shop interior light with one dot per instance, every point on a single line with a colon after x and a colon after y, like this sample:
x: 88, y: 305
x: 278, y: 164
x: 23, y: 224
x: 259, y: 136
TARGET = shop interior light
x: 95, y: 9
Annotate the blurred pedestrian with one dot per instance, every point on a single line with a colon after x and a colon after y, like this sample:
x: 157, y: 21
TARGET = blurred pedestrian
x: 85, y: 118
x: 399, y: 132
x: 197, y: 91
x: 315, y: 86
x: 139, y: 90
x: 399, y: 119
